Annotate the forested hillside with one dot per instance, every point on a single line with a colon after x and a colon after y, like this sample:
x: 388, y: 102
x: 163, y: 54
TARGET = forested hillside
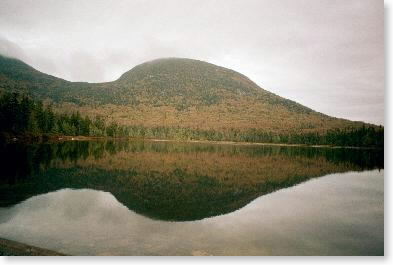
x: 184, y: 99
x: 20, y: 115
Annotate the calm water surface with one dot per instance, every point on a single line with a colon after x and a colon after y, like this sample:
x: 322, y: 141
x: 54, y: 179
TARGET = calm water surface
x: 147, y: 198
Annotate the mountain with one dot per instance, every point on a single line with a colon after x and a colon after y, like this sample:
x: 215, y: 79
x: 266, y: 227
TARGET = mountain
x: 173, y: 92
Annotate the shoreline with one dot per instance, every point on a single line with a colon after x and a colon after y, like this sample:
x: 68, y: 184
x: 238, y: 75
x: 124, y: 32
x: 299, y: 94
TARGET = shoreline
x: 29, y: 139
x: 14, y: 248
x: 261, y: 144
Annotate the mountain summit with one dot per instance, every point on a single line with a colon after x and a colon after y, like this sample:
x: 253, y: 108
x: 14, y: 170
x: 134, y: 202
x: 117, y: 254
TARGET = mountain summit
x: 173, y: 92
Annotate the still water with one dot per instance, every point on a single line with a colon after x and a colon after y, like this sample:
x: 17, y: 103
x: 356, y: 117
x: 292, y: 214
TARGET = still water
x: 162, y: 198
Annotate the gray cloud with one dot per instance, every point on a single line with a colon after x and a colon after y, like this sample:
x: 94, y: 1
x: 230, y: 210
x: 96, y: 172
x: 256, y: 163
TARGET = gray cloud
x: 11, y: 49
x: 325, y: 54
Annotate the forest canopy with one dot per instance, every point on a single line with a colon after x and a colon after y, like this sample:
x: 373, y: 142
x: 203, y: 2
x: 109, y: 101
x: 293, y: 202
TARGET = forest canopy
x: 21, y: 115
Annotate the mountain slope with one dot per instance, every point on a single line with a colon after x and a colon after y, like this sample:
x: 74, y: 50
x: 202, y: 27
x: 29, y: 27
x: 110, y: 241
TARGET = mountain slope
x: 173, y: 92
x: 185, y: 82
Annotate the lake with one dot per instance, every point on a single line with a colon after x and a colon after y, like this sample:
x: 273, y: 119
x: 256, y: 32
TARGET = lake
x: 167, y: 198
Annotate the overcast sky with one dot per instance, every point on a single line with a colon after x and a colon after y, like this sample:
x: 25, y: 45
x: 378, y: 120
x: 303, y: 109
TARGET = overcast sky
x: 325, y: 54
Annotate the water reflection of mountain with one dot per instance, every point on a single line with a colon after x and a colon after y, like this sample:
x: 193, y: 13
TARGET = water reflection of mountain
x: 170, y: 181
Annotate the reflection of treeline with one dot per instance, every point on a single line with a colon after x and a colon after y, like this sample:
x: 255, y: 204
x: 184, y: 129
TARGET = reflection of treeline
x: 21, y: 115
x: 19, y: 161
x: 170, y: 181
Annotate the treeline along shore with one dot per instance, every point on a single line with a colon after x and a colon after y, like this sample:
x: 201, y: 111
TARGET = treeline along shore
x: 24, y: 118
